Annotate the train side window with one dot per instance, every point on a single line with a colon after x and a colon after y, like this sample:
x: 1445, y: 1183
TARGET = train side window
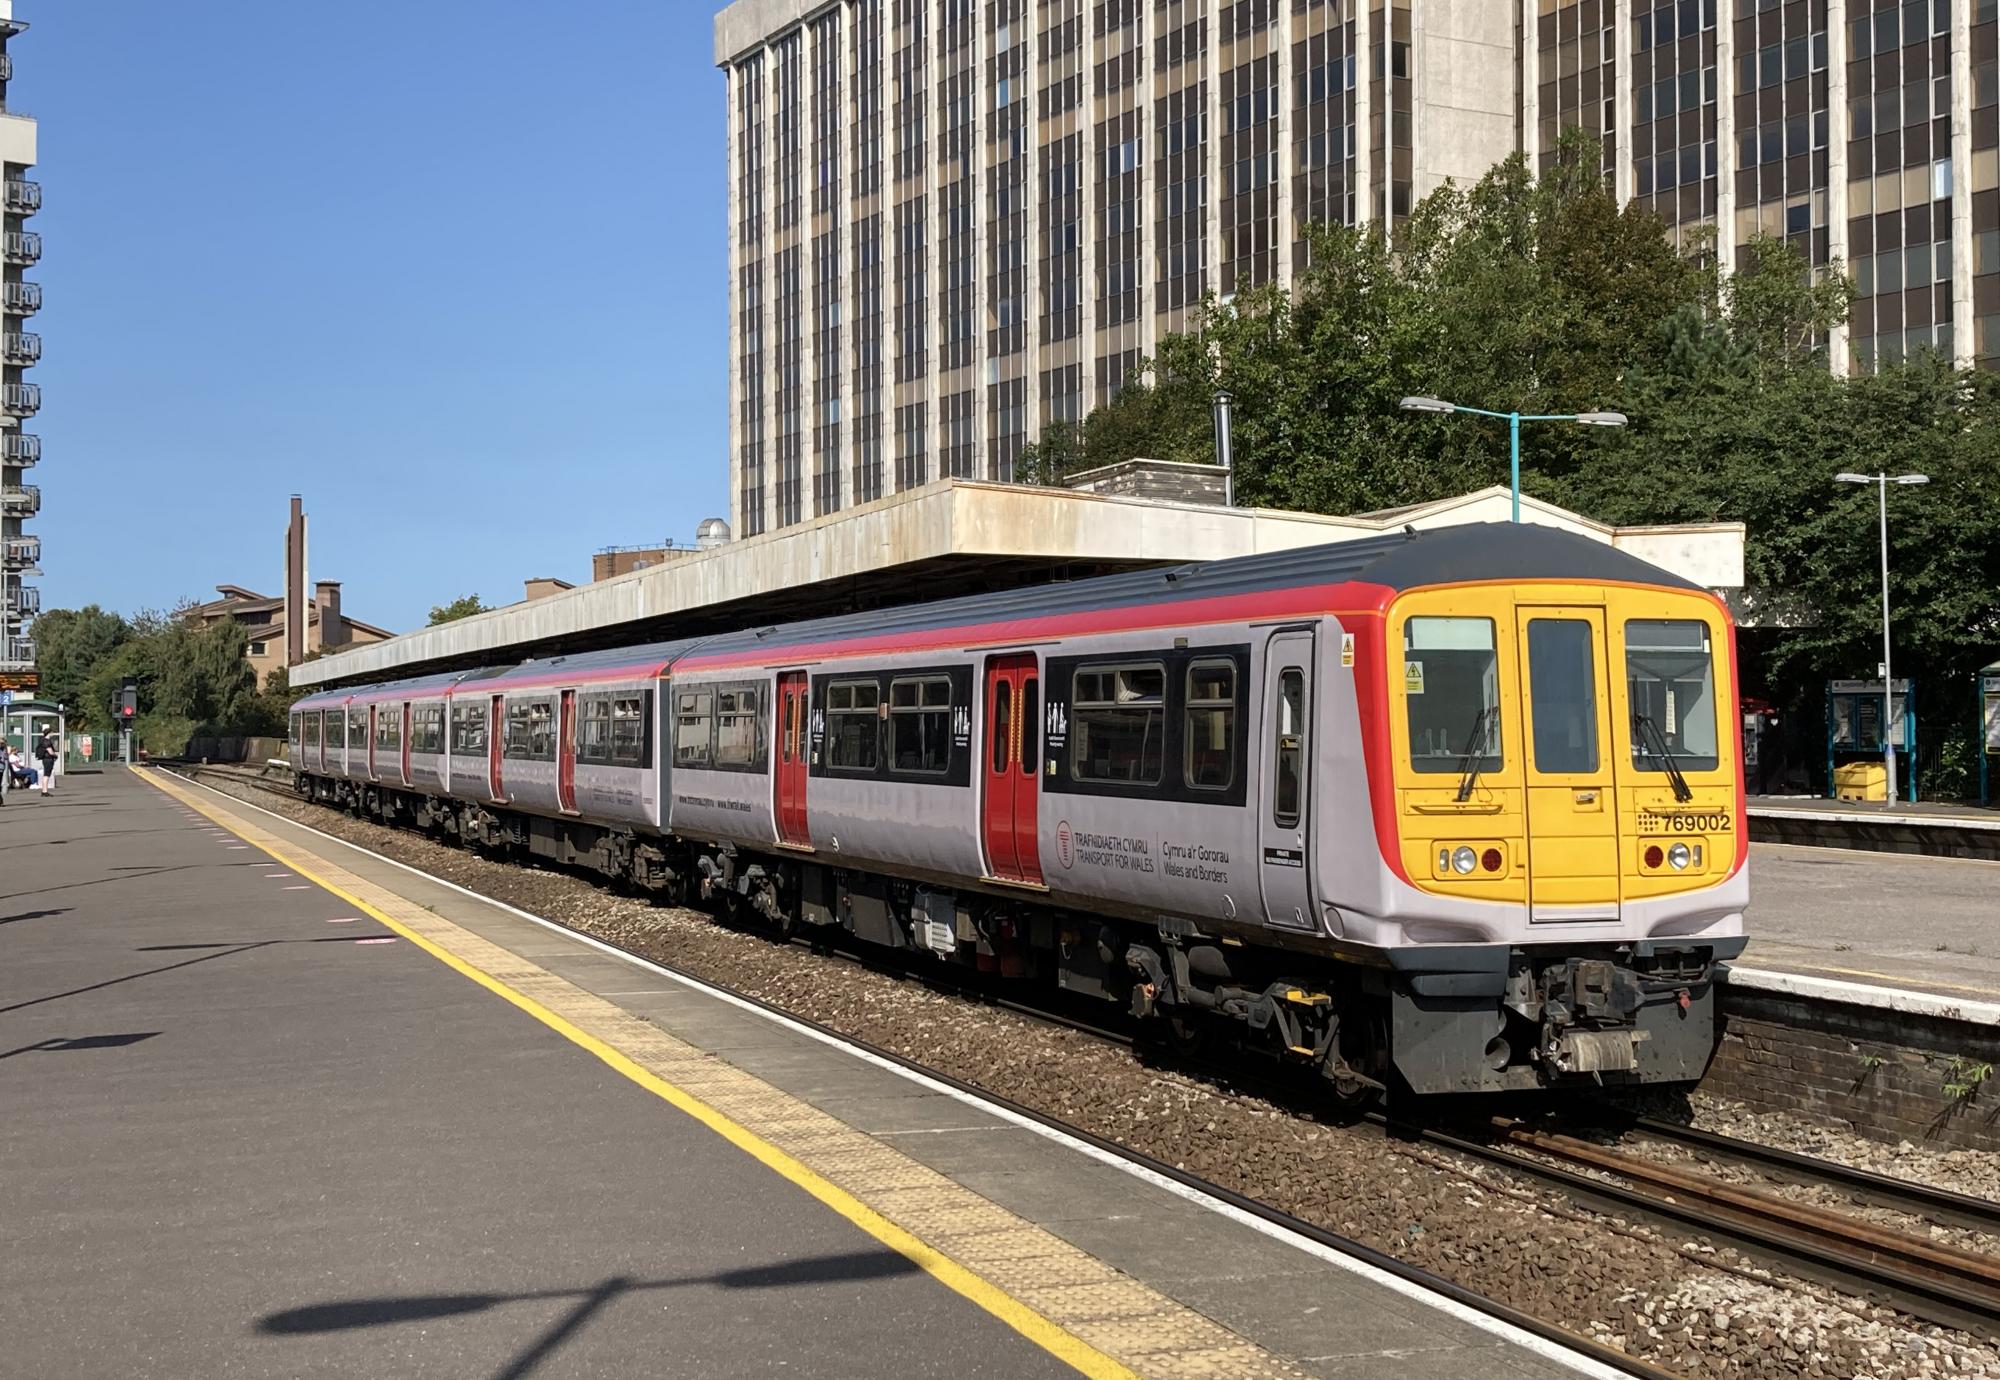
x: 308, y: 729
x: 1002, y: 727
x: 389, y: 726
x: 357, y: 728
x: 1209, y: 742
x: 1031, y: 726
x: 1118, y: 722
x: 593, y: 730
x: 920, y: 725
x: 468, y: 730
x: 853, y: 731
x: 1290, y: 723
x: 694, y: 728
x: 336, y: 728
x: 628, y: 745
x: 1451, y: 694
x: 542, y: 731
x: 427, y: 729
x: 739, y: 728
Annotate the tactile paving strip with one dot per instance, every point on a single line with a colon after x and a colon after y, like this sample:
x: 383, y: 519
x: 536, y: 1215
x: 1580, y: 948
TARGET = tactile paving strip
x: 1126, y: 1322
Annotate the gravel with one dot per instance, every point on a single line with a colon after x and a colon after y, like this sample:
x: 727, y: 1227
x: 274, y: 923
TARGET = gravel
x: 1684, y: 1304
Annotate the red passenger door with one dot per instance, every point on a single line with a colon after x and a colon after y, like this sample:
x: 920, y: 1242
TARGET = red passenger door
x: 794, y: 709
x: 319, y: 748
x: 566, y: 754
x: 371, y: 741
x: 1012, y: 766
x: 405, y: 741
x: 494, y: 741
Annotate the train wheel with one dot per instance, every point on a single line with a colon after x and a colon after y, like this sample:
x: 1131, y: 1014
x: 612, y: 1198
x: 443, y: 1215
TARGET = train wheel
x: 676, y: 889
x: 1188, y: 1034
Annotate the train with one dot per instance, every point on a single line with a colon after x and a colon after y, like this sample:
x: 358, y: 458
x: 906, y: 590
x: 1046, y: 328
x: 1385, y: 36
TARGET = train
x: 1433, y: 812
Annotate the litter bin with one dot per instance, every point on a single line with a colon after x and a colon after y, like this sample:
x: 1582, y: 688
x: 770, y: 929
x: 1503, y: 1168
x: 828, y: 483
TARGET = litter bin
x: 1861, y: 781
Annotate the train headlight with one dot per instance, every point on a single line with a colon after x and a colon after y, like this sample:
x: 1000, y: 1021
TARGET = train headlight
x: 1678, y: 857
x: 1464, y: 860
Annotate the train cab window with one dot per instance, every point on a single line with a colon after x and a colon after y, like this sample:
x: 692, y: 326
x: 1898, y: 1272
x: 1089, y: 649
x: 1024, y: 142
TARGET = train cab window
x: 853, y: 732
x: 1289, y: 748
x: 468, y: 730
x: 1451, y: 687
x: 739, y: 728
x: 1208, y: 755
x: 629, y: 746
x: 920, y: 725
x: 1031, y: 726
x: 1562, y: 695
x: 1670, y: 682
x: 694, y: 728
x: 1118, y: 717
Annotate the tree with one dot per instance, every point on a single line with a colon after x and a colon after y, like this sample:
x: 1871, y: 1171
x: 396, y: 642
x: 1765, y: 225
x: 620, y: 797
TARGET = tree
x: 68, y: 645
x: 462, y: 607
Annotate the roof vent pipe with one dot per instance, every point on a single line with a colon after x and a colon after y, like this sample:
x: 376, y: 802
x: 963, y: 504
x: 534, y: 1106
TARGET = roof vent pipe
x: 1225, y: 450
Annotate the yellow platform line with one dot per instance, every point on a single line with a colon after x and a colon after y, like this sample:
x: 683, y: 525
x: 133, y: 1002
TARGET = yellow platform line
x: 1158, y: 1336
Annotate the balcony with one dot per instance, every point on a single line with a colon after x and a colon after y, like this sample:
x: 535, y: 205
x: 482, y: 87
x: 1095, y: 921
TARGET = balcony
x: 20, y: 651
x: 20, y: 399
x: 6, y: 67
x: 22, y: 601
x: 23, y: 555
x: 21, y: 247
x: 20, y: 299
x: 22, y: 500
x: 20, y: 347
x: 22, y: 197
x: 20, y: 448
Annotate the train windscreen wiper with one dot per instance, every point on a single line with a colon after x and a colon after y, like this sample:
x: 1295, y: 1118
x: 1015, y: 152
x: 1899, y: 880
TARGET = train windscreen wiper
x: 1663, y: 755
x: 1474, y: 756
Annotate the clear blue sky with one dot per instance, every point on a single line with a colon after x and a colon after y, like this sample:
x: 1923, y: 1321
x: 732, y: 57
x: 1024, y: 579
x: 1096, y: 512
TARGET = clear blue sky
x: 454, y: 271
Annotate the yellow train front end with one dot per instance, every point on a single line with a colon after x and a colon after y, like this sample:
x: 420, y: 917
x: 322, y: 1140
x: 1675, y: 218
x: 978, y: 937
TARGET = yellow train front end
x: 1568, y: 784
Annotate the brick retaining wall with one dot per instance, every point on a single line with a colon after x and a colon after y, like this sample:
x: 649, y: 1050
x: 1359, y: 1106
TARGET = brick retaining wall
x: 1879, y: 1073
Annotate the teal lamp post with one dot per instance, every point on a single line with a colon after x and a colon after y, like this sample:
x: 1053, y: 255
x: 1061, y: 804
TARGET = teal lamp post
x: 1514, y: 420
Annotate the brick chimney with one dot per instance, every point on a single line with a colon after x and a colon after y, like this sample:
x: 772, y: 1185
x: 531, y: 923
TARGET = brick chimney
x: 332, y: 627
x: 295, y: 585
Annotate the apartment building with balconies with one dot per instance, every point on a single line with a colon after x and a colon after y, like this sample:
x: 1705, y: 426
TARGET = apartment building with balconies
x: 952, y: 222
x: 20, y: 350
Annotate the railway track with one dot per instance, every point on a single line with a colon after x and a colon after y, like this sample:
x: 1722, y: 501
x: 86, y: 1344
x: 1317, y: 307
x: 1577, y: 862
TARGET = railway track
x: 1924, y: 1279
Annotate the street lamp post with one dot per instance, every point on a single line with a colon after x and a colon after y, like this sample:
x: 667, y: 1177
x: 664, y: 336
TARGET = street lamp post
x: 1882, y: 483
x: 1514, y: 420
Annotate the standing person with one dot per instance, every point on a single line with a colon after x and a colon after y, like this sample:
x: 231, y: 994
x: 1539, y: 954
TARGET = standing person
x: 48, y: 749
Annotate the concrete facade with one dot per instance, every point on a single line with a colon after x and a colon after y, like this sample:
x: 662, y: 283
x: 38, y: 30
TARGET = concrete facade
x: 952, y: 225
x: 20, y: 348
x: 951, y: 537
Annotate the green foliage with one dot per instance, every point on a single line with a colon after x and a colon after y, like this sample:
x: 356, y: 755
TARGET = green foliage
x: 462, y: 607
x: 68, y: 643
x: 192, y: 680
x: 1964, y: 1077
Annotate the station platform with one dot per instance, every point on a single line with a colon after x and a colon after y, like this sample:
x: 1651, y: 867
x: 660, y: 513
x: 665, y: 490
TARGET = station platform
x: 275, y: 1106
x: 1893, y: 927
x: 1938, y: 829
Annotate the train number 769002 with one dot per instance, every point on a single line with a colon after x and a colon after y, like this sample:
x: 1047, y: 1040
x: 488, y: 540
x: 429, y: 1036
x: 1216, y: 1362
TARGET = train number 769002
x: 1685, y: 822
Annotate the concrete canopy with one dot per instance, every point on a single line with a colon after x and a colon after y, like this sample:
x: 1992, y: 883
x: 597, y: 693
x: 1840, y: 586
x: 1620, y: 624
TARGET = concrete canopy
x: 944, y: 539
